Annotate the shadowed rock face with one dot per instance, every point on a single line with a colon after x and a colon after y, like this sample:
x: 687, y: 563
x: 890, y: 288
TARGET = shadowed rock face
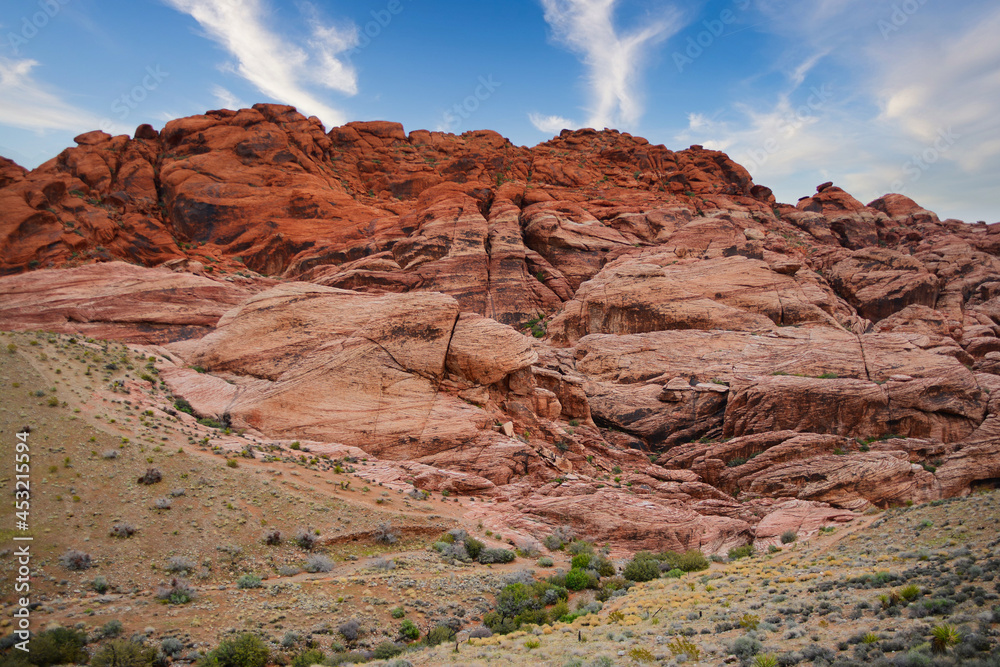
x: 635, y: 342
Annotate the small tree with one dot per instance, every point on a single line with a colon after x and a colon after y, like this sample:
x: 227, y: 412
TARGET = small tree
x: 124, y: 653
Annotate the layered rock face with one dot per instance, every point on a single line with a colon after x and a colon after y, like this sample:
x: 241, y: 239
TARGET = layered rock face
x: 599, y: 332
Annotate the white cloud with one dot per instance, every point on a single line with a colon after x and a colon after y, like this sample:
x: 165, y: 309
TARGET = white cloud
x: 551, y: 124
x: 227, y: 100
x: 915, y: 104
x: 275, y: 64
x: 25, y: 102
x: 614, y: 60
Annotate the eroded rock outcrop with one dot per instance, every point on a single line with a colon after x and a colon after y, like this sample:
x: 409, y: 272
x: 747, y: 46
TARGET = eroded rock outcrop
x: 532, y: 324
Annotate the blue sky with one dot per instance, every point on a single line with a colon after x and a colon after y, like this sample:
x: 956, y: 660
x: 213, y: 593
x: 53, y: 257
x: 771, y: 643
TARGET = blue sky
x: 875, y: 95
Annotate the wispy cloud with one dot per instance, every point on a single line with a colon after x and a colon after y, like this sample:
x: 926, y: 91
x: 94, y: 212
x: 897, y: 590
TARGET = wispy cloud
x: 226, y: 98
x: 26, y: 103
x: 614, y: 60
x: 551, y: 124
x: 276, y: 64
x: 899, y: 82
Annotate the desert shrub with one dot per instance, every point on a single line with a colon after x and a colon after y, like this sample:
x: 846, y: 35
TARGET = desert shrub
x: 318, y: 563
x: 306, y: 539
x: 409, y: 630
x: 162, y: 504
x: 641, y: 569
x: 603, y: 566
x: 384, y: 534
x: 473, y: 547
x: 480, y: 632
x: 944, y: 636
x: 765, y: 660
x: 576, y: 579
x: 182, y: 405
x: 273, y: 538
x: 75, y: 560
x: 737, y: 553
x: 177, y: 591
x: 675, y: 573
x: 124, y: 653
x: 439, y: 635
x: 248, y: 581
x: 387, y: 650
x: 398, y: 612
x: 577, y: 547
x: 151, y: 476
x: 171, y: 646
x: 559, y: 538
x: 309, y: 657
x: 348, y: 657
x: 746, y: 647
x: 513, y: 599
x: 179, y: 565
x: 788, y: 537
x: 496, y: 556
x: 247, y: 650
x: 383, y: 564
x: 529, y: 548
x: 122, y: 530
x: 112, y: 629
x: 178, y: 492
x: 58, y: 646
x: 689, y: 561
x: 581, y: 561
x: 100, y: 584
x: 109, y: 454
x: 545, y: 561
x: 349, y: 630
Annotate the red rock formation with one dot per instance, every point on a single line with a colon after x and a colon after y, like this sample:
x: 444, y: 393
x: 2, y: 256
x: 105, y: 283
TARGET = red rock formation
x: 368, y: 288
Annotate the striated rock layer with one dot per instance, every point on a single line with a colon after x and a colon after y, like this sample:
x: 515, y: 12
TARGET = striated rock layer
x: 600, y: 333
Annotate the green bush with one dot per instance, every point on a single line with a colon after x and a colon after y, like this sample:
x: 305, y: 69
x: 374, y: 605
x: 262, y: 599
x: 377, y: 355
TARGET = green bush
x: 398, y: 612
x: 576, y: 579
x: 581, y: 561
x: 440, y: 634
x: 409, y: 630
x: 247, y: 650
x: 737, y: 553
x: 513, y: 599
x: 182, y: 405
x: 124, y: 653
x: 59, y: 646
x: 689, y: 561
x: 788, y: 537
x: 641, y: 569
x: 487, y: 556
x: 473, y: 547
x: 248, y: 581
x: 309, y: 657
x: 604, y: 567
x: 675, y: 573
x: 387, y: 650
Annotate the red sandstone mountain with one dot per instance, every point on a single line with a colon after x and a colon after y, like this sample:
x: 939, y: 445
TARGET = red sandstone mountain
x: 749, y: 366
